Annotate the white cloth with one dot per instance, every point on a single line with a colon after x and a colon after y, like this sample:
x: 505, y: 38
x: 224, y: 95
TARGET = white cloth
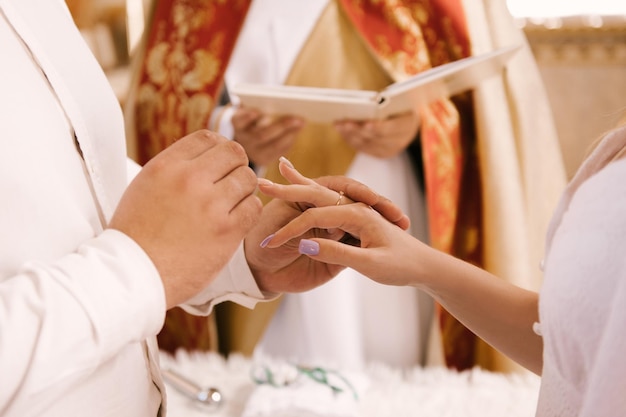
x: 286, y: 389
x: 79, y: 306
x: 350, y: 320
x: 383, y: 391
x: 581, y: 304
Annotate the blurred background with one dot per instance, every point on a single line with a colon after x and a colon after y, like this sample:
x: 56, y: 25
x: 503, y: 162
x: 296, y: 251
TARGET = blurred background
x: 580, y: 47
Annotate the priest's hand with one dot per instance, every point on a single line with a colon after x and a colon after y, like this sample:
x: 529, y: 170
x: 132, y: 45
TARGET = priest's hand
x: 264, y: 138
x: 380, y: 138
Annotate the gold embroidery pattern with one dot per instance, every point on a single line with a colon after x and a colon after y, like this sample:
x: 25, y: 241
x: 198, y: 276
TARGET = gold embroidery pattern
x: 187, y: 49
x: 443, y: 159
x: 183, y: 68
x: 410, y: 41
x: 410, y: 36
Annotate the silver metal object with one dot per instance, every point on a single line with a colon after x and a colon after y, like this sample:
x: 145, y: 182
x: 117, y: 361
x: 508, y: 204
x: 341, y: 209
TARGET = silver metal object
x: 207, y: 396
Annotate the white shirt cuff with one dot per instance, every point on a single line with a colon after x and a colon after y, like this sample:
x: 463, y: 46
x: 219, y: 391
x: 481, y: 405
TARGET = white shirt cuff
x: 234, y: 283
x: 221, y: 121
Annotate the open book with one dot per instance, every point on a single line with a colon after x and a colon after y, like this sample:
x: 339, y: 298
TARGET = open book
x: 329, y: 104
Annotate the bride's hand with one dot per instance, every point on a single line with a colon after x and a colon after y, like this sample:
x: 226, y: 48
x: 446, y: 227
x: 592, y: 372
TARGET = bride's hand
x: 282, y: 268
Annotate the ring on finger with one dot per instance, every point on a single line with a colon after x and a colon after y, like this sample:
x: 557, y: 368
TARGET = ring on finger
x: 341, y: 194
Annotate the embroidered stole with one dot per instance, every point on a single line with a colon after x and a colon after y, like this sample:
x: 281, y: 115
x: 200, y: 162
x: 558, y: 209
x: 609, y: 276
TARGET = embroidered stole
x: 410, y: 36
x: 187, y: 49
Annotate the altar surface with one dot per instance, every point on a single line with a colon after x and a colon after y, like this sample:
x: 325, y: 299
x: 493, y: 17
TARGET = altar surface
x: 375, y: 391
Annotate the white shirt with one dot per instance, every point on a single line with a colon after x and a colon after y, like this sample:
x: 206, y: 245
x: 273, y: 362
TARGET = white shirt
x: 79, y: 305
x: 581, y: 304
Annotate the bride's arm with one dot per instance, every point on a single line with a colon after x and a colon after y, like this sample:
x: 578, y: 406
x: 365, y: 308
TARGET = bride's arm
x: 500, y: 313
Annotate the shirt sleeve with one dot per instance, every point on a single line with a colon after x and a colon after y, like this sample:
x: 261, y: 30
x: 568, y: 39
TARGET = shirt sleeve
x: 132, y: 169
x: 221, y: 121
x: 234, y: 283
x: 76, y: 311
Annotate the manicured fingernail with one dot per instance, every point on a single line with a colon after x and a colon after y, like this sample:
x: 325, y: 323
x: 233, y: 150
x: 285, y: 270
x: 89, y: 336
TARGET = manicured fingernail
x: 286, y: 161
x: 266, y: 241
x: 309, y: 247
x: 264, y: 181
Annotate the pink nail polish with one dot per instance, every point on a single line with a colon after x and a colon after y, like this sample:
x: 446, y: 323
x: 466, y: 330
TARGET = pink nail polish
x: 286, y: 161
x: 264, y: 181
x: 309, y: 247
x: 266, y: 241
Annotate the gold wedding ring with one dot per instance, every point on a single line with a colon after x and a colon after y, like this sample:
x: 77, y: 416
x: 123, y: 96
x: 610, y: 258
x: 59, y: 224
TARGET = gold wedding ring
x: 340, y: 198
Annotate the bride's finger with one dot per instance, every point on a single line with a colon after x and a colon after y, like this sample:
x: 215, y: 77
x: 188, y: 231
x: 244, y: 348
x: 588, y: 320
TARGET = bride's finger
x: 310, y: 195
x: 346, y: 218
x: 333, y: 252
x: 357, y: 191
x: 291, y: 174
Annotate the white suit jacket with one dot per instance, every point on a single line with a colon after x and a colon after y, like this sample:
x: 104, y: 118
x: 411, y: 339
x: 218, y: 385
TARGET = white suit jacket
x: 79, y: 305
